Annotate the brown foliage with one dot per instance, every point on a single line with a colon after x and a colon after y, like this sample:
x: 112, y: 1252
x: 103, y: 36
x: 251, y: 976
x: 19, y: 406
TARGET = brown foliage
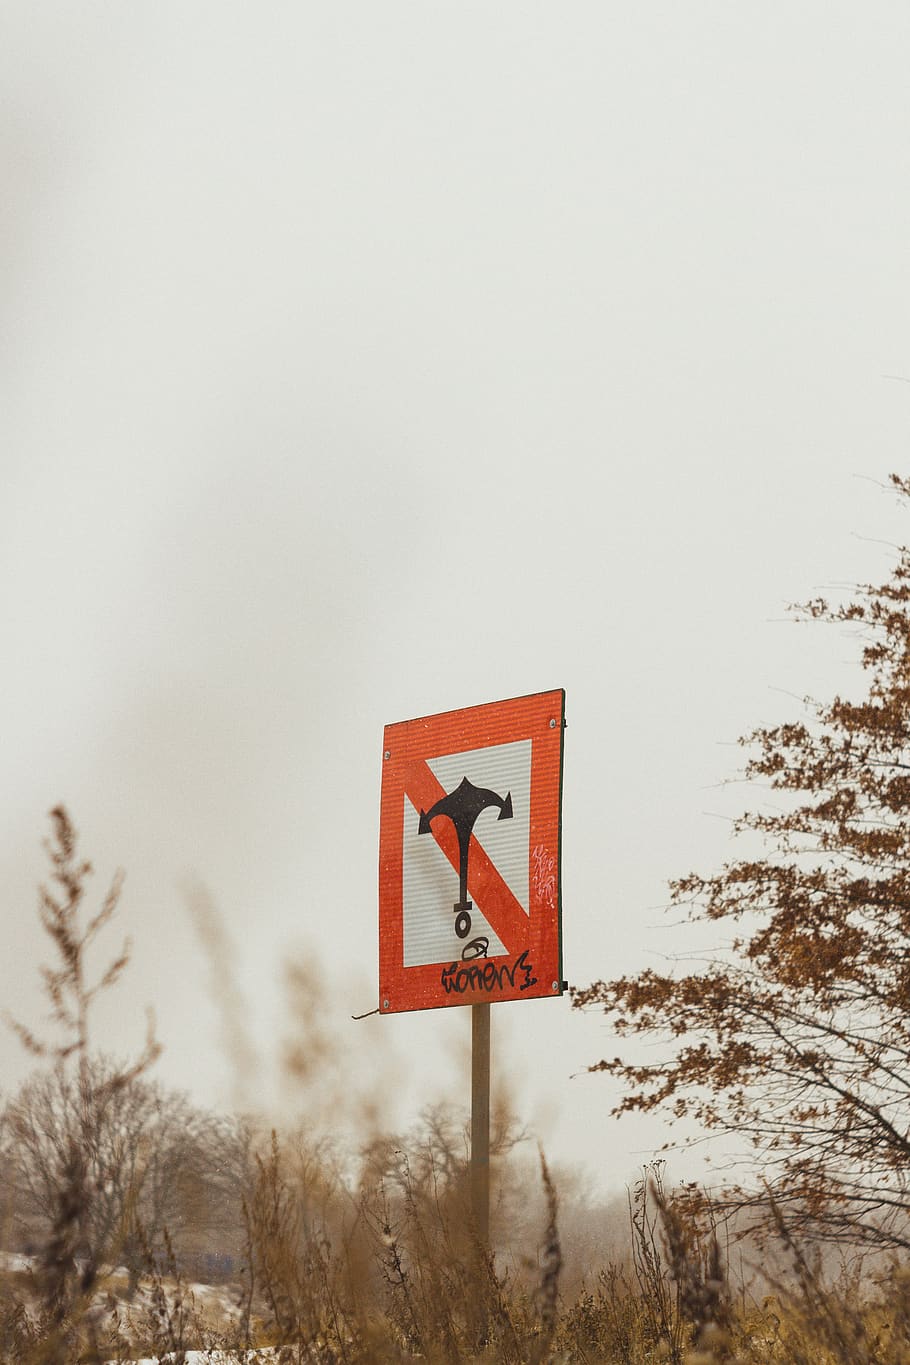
x: 797, y: 1037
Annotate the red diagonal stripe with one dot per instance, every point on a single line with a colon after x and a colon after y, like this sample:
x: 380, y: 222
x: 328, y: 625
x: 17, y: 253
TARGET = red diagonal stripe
x: 495, y: 899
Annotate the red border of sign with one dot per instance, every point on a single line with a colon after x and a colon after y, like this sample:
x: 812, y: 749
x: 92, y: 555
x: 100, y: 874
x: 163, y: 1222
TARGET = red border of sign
x: 533, y: 967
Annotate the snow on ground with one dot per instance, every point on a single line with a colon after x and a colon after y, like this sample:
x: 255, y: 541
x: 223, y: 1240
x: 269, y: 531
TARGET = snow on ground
x: 12, y: 1261
x: 266, y: 1353
x: 206, y: 1295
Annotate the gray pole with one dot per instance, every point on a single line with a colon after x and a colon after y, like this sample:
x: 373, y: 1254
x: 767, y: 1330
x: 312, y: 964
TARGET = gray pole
x: 480, y: 1121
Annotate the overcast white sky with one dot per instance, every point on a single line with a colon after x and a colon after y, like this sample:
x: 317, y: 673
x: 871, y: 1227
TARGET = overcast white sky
x: 362, y: 361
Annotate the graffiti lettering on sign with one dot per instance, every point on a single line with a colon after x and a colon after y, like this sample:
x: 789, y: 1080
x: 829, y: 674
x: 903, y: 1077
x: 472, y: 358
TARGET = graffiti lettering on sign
x: 543, y: 866
x: 460, y: 977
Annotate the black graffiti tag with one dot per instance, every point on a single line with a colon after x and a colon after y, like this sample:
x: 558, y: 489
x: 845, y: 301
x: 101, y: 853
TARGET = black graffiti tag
x: 459, y: 977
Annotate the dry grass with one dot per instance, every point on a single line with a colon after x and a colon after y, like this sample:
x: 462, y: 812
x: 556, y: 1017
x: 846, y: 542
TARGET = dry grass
x: 387, y: 1271
x: 376, y: 1260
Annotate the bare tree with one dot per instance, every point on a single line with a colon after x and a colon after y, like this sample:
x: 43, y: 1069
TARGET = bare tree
x: 147, y: 1164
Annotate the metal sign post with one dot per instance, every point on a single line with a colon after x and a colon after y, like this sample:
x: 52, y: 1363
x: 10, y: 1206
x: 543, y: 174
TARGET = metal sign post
x: 480, y: 1121
x: 472, y: 798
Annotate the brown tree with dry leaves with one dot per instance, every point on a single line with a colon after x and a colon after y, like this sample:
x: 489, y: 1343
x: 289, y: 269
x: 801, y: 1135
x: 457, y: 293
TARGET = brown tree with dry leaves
x: 796, y: 1037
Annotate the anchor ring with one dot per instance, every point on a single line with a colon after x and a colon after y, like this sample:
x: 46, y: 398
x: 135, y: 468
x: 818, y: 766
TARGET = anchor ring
x: 462, y: 924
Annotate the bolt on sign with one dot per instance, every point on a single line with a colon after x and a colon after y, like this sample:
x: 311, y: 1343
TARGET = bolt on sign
x: 469, y: 855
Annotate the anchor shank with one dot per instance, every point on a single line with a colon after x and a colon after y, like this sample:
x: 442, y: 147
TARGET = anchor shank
x: 464, y: 843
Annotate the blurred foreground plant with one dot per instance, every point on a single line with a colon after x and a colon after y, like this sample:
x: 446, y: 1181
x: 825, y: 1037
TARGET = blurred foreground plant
x: 78, y: 1241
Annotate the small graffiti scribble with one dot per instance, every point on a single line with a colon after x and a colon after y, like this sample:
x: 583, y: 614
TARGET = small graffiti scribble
x: 544, y: 874
x: 478, y: 947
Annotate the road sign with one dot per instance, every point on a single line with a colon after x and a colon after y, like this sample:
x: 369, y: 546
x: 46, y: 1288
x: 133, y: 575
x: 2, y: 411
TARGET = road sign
x: 469, y: 856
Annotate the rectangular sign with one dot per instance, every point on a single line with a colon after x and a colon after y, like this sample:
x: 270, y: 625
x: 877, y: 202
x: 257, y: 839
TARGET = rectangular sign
x: 469, y: 855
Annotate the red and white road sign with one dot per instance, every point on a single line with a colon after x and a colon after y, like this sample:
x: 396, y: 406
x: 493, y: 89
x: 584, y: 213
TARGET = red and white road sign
x: 469, y: 855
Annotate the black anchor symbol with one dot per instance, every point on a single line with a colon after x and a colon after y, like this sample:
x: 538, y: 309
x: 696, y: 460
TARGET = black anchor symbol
x: 462, y: 806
